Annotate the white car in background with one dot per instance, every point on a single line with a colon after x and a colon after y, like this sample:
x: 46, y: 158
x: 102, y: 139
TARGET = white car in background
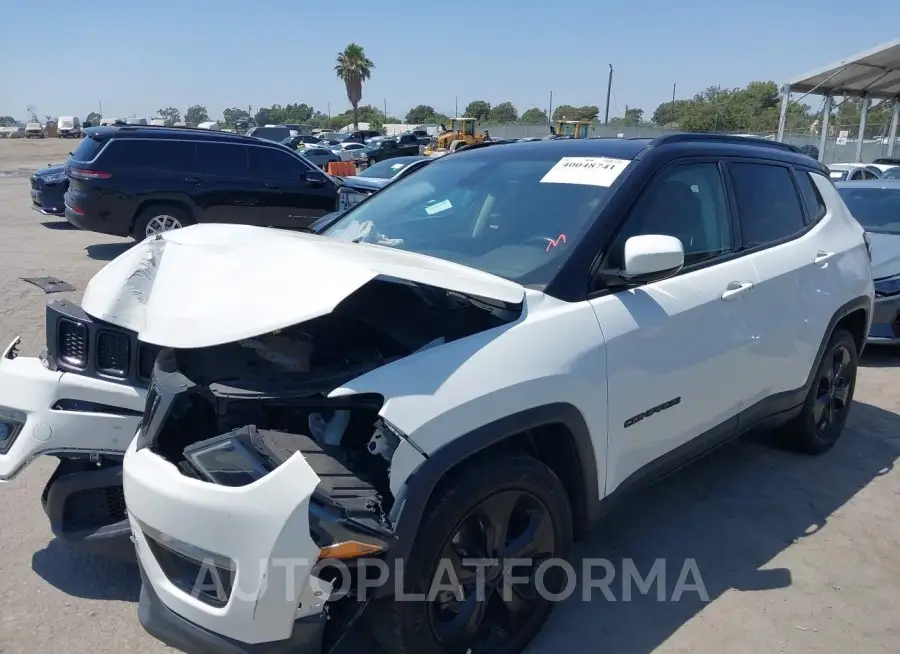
x: 852, y: 172
x: 349, y: 151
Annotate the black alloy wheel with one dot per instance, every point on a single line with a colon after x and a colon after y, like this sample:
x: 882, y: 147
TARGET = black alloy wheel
x: 833, y: 394
x: 489, y: 608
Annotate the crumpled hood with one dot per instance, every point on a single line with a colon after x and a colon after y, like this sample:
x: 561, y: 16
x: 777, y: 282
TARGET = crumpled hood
x: 211, y: 284
x: 885, y: 254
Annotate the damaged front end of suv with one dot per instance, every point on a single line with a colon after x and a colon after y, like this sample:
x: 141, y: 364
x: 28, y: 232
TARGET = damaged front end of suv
x: 256, y: 460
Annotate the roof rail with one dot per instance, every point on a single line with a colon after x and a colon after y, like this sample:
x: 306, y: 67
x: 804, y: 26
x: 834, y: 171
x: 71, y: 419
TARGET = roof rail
x: 687, y: 137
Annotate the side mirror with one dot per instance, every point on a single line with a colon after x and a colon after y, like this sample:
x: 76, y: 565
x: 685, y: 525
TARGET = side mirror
x: 646, y: 258
x: 315, y: 179
x: 650, y: 257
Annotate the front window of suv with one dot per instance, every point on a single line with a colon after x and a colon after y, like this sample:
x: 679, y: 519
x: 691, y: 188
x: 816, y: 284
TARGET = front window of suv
x: 496, y: 215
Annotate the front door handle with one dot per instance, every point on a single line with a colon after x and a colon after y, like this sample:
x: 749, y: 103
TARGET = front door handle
x: 736, y: 289
x: 822, y: 257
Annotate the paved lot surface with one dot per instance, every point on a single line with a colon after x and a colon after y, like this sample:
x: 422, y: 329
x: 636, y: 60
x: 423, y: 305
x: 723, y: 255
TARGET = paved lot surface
x: 797, y: 554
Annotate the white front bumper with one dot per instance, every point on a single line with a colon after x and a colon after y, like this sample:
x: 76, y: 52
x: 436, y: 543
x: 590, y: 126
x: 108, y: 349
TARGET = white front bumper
x: 27, y: 386
x: 263, y: 528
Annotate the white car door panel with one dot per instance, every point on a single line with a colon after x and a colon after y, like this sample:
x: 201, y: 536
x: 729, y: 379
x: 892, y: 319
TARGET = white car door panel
x: 675, y: 346
x: 792, y: 304
x: 675, y: 341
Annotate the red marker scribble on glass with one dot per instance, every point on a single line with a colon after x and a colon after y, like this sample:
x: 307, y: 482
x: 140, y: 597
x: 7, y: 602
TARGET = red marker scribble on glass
x: 551, y: 243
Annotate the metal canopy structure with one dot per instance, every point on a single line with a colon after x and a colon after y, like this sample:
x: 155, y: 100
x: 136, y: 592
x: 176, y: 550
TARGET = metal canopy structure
x: 870, y: 75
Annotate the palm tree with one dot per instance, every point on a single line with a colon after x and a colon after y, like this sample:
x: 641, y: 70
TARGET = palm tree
x: 354, y: 68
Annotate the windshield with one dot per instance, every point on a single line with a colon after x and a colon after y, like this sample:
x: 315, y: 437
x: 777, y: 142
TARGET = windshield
x: 384, y: 169
x: 496, y: 215
x: 876, y: 209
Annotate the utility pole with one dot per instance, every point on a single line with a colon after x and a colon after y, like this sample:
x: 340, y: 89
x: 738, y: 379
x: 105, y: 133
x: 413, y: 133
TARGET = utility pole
x: 329, y: 112
x: 100, y: 105
x: 550, y: 110
x: 608, y: 92
x: 456, y: 107
x: 674, y: 84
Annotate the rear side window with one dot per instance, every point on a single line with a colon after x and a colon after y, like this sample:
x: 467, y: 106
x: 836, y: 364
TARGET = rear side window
x: 270, y: 163
x: 228, y: 159
x: 158, y: 154
x: 88, y: 149
x: 767, y: 203
x: 815, y: 205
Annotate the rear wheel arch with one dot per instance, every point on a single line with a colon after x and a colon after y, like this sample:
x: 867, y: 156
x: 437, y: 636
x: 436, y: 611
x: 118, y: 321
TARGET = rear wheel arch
x: 556, y: 434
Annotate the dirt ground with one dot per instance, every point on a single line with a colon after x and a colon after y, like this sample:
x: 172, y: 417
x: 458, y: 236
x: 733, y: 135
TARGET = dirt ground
x: 796, y: 554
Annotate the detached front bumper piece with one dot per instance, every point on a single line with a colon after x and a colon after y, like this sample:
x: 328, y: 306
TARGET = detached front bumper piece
x: 61, y: 413
x: 226, y: 569
x: 85, y: 421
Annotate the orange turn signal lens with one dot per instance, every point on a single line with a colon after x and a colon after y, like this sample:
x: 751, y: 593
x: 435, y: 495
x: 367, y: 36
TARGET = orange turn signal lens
x: 350, y: 549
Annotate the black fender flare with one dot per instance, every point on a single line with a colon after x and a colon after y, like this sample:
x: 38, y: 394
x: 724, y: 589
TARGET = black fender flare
x: 410, y: 504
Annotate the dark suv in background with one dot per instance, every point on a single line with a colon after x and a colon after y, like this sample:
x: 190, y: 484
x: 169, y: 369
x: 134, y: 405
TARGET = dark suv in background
x: 141, y: 180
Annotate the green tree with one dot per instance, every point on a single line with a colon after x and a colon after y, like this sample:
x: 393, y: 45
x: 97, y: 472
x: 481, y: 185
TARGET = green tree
x: 7, y: 121
x: 196, y: 114
x: 233, y: 114
x: 633, y: 116
x: 534, y: 116
x: 170, y: 114
x: 420, y: 115
x: 669, y: 113
x: 93, y: 118
x: 505, y: 112
x: 480, y: 109
x: 353, y: 68
x: 570, y: 112
x: 366, y: 113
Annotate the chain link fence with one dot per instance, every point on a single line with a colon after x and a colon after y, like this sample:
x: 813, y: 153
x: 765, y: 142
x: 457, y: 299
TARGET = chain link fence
x: 840, y: 145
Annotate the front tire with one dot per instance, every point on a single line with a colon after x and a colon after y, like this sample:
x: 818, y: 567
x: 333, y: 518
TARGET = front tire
x: 823, y: 416
x: 506, y: 509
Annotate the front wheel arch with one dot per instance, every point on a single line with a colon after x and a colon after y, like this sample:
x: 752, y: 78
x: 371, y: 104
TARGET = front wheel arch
x: 533, y: 431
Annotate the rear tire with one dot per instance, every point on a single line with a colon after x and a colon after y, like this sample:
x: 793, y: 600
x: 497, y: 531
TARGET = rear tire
x: 539, y: 519
x: 159, y: 218
x: 823, y: 416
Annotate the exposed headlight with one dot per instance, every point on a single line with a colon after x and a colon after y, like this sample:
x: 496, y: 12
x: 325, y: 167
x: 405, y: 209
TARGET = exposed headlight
x: 52, y: 179
x: 11, y: 423
x: 890, y: 286
x: 229, y: 459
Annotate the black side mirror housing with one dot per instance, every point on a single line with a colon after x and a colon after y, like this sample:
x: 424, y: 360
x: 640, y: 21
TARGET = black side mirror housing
x: 315, y: 178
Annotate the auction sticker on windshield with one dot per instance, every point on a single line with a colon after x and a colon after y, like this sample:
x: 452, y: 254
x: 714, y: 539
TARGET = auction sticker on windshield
x: 438, y: 207
x: 590, y: 171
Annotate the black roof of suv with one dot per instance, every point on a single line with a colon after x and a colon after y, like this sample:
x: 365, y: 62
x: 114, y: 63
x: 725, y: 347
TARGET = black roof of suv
x: 138, y: 180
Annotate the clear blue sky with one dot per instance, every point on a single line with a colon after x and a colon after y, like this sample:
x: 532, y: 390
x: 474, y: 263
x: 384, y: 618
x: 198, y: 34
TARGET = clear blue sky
x: 136, y: 58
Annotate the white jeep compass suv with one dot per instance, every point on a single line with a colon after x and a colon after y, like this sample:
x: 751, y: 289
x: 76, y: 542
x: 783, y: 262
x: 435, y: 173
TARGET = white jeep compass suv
x: 466, y: 370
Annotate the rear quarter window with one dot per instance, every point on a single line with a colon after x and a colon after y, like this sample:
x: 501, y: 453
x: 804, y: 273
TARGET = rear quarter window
x: 812, y: 201
x: 88, y: 149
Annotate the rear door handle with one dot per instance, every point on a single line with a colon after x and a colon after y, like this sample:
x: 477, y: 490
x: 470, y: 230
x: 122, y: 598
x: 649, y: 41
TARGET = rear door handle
x: 246, y: 203
x: 736, y: 289
x: 272, y: 186
x: 192, y: 180
x: 822, y: 257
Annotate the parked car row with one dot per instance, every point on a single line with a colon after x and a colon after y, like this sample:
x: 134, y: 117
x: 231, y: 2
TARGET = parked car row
x: 374, y: 416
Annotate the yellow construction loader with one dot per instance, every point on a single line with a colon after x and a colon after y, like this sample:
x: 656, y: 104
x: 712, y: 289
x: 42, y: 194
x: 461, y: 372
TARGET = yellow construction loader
x: 576, y: 129
x: 461, y: 129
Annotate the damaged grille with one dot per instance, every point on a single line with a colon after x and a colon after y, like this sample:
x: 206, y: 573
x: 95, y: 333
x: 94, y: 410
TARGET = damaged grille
x: 112, y: 353
x: 76, y: 342
x: 72, y: 342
